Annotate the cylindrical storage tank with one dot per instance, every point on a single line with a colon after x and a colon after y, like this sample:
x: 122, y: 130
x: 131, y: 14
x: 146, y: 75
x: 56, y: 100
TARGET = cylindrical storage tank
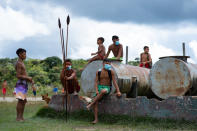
x: 173, y: 77
x: 123, y: 75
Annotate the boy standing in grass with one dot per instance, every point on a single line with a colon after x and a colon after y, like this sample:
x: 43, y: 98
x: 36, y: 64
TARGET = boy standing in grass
x: 69, y: 79
x: 116, y: 48
x: 22, y: 83
x: 4, y: 85
x: 103, y: 85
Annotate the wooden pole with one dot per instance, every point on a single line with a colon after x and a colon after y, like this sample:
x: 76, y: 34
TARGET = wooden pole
x: 183, y: 48
x: 126, y: 55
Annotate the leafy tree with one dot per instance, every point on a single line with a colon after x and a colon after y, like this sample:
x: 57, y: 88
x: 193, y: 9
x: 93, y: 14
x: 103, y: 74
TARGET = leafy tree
x: 135, y: 62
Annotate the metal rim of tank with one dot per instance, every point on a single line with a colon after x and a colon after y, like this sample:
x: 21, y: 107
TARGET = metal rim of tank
x: 172, y: 79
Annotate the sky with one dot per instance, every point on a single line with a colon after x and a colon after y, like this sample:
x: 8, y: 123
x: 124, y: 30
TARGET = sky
x: 163, y: 25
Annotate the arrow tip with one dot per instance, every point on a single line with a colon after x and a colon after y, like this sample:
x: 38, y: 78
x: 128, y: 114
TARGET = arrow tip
x: 68, y: 20
x: 59, y: 23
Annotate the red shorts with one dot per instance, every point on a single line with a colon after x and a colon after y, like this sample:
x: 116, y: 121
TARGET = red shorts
x: 146, y: 65
x: 4, y: 91
x: 102, y: 57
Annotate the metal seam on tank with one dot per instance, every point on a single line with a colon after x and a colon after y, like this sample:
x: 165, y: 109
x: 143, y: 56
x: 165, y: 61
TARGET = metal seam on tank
x: 190, y: 83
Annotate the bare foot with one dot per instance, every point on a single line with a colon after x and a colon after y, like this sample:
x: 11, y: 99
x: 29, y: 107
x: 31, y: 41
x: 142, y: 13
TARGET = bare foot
x: 22, y: 119
x: 95, y: 121
x: 75, y: 93
x: 19, y: 120
x: 88, y: 106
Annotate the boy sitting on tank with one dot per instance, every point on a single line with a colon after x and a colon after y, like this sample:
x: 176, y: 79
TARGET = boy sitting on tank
x: 100, y: 54
x: 116, y: 48
x: 145, y: 58
x: 103, y: 85
x: 69, y: 79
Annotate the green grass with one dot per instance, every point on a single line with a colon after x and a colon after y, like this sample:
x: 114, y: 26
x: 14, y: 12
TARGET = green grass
x: 39, y: 118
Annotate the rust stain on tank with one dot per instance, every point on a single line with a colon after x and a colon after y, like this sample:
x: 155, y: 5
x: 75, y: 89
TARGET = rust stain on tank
x: 179, y: 91
x: 176, y: 61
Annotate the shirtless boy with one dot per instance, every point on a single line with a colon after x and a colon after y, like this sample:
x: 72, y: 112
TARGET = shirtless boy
x: 103, y: 85
x: 116, y: 48
x: 100, y: 54
x: 69, y: 79
x: 22, y: 83
x: 145, y: 58
x: 4, y: 85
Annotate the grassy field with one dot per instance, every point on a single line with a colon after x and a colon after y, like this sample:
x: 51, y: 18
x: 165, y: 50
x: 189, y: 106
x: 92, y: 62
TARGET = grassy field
x: 45, y: 119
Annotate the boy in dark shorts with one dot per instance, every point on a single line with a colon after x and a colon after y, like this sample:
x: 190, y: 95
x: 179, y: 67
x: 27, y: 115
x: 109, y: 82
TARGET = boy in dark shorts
x: 103, y: 84
x: 69, y: 79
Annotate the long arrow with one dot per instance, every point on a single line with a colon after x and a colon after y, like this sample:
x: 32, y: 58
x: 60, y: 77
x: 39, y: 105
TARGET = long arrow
x: 63, y: 53
x: 61, y: 38
x: 63, y: 48
x: 67, y: 22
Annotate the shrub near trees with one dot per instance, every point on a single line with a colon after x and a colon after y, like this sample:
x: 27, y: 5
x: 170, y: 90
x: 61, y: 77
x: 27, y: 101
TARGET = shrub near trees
x: 45, y: 73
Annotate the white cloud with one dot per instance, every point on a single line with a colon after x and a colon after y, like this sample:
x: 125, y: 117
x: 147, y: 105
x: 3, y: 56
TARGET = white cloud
x: 193, y: 46
x: 191, y: 61
x: 15, y: 25
x: 41, y: 18
x: 85, y: 33
x: 159, y: 51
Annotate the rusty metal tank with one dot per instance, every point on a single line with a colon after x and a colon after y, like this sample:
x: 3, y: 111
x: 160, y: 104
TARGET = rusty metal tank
x: 173, y: 76
x: 123, y: 74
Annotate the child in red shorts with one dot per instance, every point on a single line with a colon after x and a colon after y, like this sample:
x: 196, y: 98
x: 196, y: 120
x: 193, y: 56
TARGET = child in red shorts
x: 4, y: 85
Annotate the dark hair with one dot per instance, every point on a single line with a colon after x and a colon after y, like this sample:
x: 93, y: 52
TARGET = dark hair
x: 68, y: 60
x: 145, y: 47
x: 20, y: 50
x: 115, y: 37
x: 106, y: 60
x: 101, y: 38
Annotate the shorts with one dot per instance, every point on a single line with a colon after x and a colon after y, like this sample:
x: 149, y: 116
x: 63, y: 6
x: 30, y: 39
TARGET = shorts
x: 4, y: 91
x: 21, y: 86
x: 102, y: 57
x: 102, y: 87
x: 55, y: 90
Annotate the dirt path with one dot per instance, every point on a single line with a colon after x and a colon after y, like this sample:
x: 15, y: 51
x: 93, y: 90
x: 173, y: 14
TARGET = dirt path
x: 12, y: 99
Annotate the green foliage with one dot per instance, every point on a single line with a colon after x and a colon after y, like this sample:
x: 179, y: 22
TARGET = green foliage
x: 135, y: 62
x: 78, y: 65
x: 80, y: 121
x: 118, y: 119
x: 45, y: 73
x: 51, y: 62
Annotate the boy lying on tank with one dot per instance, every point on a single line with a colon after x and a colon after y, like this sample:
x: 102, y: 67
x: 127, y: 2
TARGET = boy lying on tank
x: 103, y: 84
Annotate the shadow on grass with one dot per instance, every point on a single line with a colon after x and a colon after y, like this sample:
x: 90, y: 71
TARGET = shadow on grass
x: 87, y: 116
